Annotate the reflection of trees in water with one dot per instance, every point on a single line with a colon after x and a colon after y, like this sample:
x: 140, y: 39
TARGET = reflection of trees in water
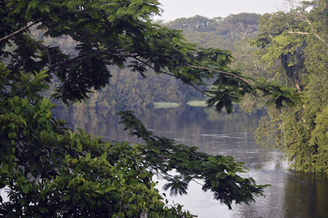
x: 105, y: 122
x: 194, y: 126
x: 291, y: 195
x: 181, y: 122
x: 271, y: 206
x: 97, y: 122
x: 311, y: 191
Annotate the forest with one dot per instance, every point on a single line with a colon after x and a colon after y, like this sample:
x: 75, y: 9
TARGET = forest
x: 294, y: 47
x: 133, y: 91
x: 113, y: 54
x: 289, y: 48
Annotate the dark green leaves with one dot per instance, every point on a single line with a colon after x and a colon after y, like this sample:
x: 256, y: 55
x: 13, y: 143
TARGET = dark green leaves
x: 176, y: 185
x: 54, y: 171
x: 278, y: 94
x: 220, y: 174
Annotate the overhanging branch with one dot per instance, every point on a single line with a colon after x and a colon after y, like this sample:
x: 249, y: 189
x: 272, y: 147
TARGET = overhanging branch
x: 167, y: 73
x: 20, y: 30
x: 47, y: 52
x: 136, y: 57
x: 218, y: 71
x: 29, y: 25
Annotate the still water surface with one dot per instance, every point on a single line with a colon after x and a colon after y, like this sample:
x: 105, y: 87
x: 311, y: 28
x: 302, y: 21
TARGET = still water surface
x: 291, y: 194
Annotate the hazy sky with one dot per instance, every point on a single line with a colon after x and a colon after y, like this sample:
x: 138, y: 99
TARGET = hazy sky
x: 174, y: 9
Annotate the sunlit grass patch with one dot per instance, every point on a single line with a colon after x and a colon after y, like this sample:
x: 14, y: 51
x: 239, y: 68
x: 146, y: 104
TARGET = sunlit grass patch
x: 165, y: 105
x: 197, y: 103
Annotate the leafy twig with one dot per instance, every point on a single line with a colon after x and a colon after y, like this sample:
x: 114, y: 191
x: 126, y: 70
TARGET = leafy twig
x: 167, y: 73
x: 218, y: 71
x: 20, y: 30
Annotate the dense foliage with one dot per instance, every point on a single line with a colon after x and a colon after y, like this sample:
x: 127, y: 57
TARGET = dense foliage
x: 217, y: 32
x: 295, y: 45
x: 130, y: 90
x: 52, y: 171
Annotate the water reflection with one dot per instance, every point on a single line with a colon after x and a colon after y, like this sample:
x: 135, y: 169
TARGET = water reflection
x: 291, y: 194
x: 306, y: 195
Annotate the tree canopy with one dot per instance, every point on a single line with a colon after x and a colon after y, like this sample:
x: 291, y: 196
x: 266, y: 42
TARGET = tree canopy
x: 294, y: 44
x: 52, y: 171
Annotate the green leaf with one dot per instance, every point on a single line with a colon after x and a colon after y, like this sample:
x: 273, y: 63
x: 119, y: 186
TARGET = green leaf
x: 53, y: 16
x: 108, y: 189
x: 27, y: 187
x: 44, y: 8
x: 33, y: 166
x: 4, y: 168
x: 43, y: 209
x: 40, y: 76
x: 33, y: 4
x: 121, y: 11
x: 129, y: 213
x: 221, y: 175
x: 99, y: 192
x: 17, y: 109
x: 79, y: 146
x: 66, y: 198
x: 104, y: 156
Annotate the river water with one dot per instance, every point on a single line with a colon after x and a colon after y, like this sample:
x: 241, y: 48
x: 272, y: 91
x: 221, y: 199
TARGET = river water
x: 291, y: 194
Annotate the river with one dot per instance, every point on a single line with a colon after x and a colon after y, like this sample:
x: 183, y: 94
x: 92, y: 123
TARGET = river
x: 291, y: 194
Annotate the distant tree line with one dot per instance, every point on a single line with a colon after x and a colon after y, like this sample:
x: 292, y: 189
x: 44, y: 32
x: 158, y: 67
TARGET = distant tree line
x: 84, y: 50
x: 130, y: 90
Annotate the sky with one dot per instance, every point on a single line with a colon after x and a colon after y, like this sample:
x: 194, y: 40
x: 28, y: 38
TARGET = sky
x: 174, y: 9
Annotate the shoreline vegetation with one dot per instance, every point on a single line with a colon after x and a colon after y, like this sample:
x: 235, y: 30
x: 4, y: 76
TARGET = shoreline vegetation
x: 126, y: 89
x: 111, y: 54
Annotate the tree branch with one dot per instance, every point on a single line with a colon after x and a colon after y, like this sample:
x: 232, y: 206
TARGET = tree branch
x: 318, y: 37
x: 200, y: 90
x: 302, y: 33
x: 83, y: 57
x: 78, y: 58
x: 47, y: 52
x: 136, y: 57
x: 306, y: 33
x: 218, y: 71
x: 164, y: 72
x: 31, y: 24
x: 20, y: 30
x: 321, y: 39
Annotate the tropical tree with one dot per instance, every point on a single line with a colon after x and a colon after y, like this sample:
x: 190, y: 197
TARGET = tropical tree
x: 52, y: 171
x: 295, y: 43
